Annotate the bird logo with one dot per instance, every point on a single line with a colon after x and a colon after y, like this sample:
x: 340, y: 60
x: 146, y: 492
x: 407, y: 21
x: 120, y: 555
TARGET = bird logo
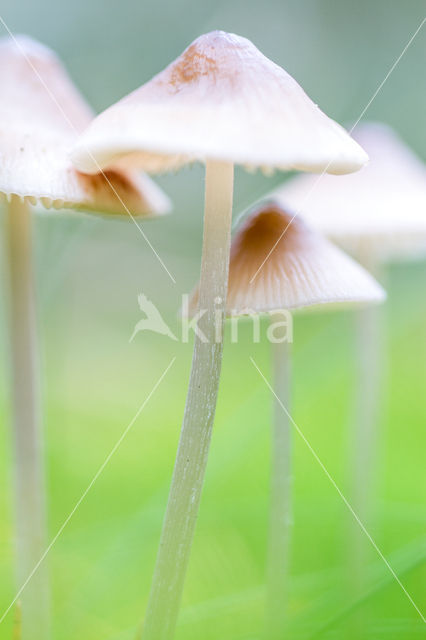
x: 153, y: 320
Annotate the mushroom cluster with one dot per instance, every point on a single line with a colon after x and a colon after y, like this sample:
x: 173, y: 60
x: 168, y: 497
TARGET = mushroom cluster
x: 221, y: 102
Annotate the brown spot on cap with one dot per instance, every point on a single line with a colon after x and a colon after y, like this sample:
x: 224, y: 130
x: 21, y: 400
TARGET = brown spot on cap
x: 191, y: 66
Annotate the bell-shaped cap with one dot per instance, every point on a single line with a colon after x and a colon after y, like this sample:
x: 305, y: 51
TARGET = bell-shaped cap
x: 41, y: 115
x: 378, y: 213
x: 222, y: 99
x: 278, y: 262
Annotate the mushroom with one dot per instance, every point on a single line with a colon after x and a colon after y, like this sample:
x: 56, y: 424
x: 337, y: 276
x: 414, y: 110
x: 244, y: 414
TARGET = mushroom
x: 221, y: 102
x: 379, y: 216
x: 304, y: 272
x: 41, y: 113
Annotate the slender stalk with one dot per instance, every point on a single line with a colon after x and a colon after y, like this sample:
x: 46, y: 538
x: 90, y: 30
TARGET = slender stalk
x: 191, y: 460
x: 29, y: 485
x: 364, y: 442
x: 364, y: 446
x: 368, y: 412
x: 280, y: 520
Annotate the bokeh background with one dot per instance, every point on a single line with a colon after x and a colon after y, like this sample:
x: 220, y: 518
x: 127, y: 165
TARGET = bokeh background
x: 89, y: 272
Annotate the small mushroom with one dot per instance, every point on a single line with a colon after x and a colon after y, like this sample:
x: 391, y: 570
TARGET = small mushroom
x: 41, y: 113
x: 221, y: 102
x: 303, y: 272
x: 379, y: 216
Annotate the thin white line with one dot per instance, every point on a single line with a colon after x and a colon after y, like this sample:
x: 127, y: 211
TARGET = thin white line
x: 397, y: 61
x: 52, y: 96
x: 94, y: 479
x: 333, y: 482
x: 312, y: 189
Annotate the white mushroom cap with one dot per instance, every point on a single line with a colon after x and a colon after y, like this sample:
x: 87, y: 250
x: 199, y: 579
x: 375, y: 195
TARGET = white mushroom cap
x: 222, y: 99
x: 41, y: 114
x: 277, y: 262
x: 379, y: 212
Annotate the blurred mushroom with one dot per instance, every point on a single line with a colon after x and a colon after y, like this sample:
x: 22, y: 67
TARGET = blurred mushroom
x: 221, y: 102
x: 379, y: 216
x: 304, y: 272
x: 41, y: 113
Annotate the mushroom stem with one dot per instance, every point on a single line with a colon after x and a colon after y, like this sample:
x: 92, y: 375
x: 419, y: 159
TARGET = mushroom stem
x: 28, y: 464
x: 366, y: 427
x: 191, y: 461
x: 280, y: 519
x: 365, y: 437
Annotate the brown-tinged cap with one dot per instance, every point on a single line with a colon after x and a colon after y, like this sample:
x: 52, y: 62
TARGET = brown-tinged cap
x: 222, y: 99
x: 278, y: 262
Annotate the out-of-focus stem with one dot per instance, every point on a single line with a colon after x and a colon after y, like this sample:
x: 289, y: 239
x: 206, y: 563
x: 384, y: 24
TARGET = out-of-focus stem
x: 365, y: 440
x: 281, y: 519
x: 191, y: 461
x: 28, y: 458
x: 364, y: 445
x: 365, y: 437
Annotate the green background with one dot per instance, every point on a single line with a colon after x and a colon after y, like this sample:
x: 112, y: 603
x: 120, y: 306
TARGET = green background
x: 89, y: 272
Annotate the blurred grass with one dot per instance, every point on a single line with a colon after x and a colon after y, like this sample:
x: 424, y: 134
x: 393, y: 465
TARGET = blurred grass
x: 95, y: 382
x: 89, y: 272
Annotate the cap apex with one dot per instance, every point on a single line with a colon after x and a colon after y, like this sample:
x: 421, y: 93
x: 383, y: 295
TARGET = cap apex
x: 24, y: 44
